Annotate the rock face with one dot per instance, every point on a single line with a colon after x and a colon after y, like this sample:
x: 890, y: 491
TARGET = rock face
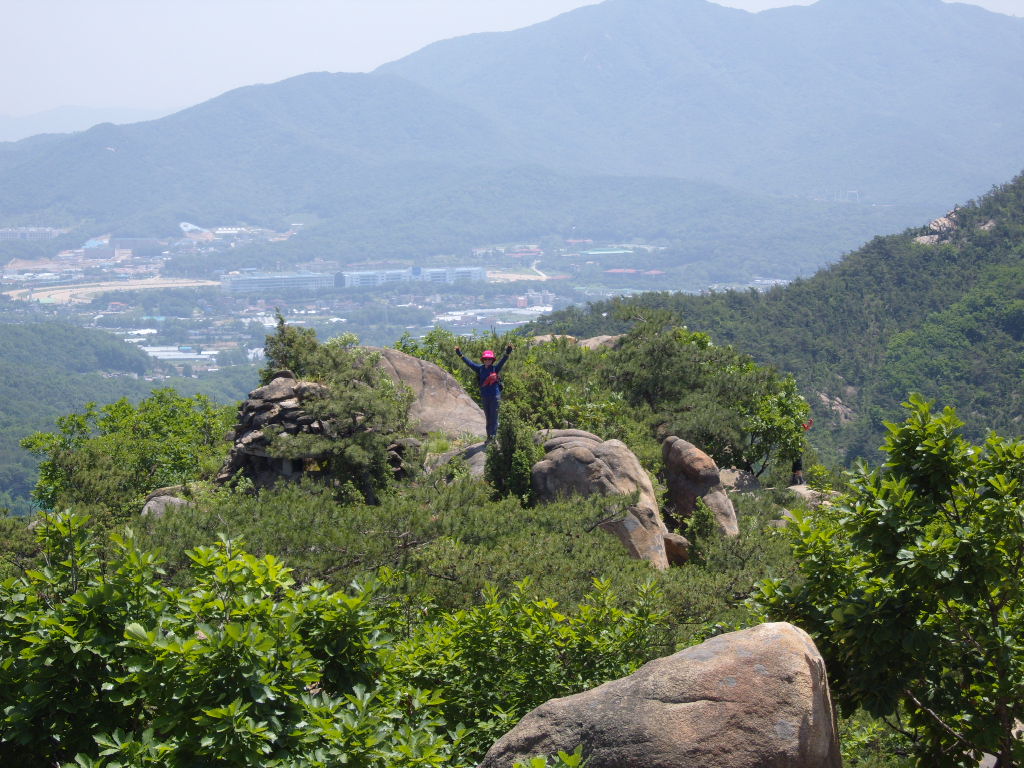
x: 738, y: 480
x: 279, y: 404
x: 441, y: 404
x: 474, y: 457
x: 160, y: 501
x: 691, y: 474
x: 752, y: 699
x: 547, y: 338
x: 580, y: 463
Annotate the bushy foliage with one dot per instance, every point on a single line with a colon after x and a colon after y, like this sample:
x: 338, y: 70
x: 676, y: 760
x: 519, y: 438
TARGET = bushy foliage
x: 660, y: 379
x: 510, y: 459
x: 920, y: 566
x: 740, y: 413
x: 542, y: 651
x: 447, y: 542
x: 104, y: 666
x: 108, y: 458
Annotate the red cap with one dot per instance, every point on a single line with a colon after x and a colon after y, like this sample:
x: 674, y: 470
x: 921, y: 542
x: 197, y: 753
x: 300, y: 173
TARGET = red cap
x: 487, y: 355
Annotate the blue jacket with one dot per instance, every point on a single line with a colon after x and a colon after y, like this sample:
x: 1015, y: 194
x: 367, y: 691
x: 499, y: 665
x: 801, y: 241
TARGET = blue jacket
x: 483, y: 371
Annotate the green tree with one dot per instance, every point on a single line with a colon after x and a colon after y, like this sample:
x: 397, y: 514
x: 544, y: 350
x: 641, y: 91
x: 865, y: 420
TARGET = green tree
x: 718, y: 398
x: 291, y: 348
x: 912, y: 588
x: 108, y: 458
x: 104, y: 666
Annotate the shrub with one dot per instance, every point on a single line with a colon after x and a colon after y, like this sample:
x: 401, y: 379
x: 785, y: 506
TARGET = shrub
x: 103, y: 666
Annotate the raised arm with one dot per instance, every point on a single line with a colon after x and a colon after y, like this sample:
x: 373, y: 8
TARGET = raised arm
x: 467, y: 361
x: 504, y: 358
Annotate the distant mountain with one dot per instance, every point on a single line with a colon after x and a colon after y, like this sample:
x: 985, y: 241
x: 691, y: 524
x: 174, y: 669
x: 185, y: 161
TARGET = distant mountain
x: 605, y: 115
x: 70, y: 119
x: 937, y: 310
x: 916, y: 100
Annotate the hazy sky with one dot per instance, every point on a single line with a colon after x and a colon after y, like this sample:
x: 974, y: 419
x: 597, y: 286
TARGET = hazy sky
x: 166, y: 54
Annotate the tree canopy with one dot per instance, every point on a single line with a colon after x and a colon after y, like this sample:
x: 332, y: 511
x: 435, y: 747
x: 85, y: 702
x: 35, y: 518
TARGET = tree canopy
x: 911, y: 586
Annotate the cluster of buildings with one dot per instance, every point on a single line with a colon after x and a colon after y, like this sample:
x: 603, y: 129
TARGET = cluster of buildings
x: 30, y: 233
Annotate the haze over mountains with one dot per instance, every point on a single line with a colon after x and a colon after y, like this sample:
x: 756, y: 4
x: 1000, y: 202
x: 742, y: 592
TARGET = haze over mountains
x: 908, y: 100
x: 70, y: 118
x: 622, y: 119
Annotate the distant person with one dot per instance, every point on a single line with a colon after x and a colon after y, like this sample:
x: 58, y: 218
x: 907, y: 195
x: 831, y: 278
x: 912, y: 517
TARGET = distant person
x: 488, y: 376
x: 798, y: 462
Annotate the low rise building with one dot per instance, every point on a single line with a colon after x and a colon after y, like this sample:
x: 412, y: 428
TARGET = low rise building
x: 374, y: 277
x: 258, y: 282
x: 29, y: 233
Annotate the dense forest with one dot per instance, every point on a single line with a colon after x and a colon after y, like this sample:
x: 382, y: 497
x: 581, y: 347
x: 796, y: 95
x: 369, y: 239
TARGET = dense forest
x: 944, y: 317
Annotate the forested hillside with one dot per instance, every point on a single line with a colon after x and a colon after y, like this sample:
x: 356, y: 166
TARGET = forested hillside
x: 50, y: 369
x: 944, y: 317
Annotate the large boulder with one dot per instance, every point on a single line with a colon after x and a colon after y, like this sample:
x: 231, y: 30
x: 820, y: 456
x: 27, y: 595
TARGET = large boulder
x: 441, y: 404
x: 578, y: 463
x: 757, y: 698
x: 690, y: 475
x: 163, y: 500
x: 739, y: 480
x: 474, y: 457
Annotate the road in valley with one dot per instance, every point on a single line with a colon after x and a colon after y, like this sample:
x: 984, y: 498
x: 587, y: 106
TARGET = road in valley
x: 81, y: 293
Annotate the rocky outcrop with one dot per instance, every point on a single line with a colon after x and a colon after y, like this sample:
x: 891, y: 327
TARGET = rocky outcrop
x: 547, y: 338
x: 811, y: 497
x: 941, y: 229
x: 738, y: 480
x: 579, y: 463
x: 594, y: 342
x: 277, y: 405
x: 690, y: 475
x: 838, y: 407
x: 757, y: 698
x: 600, y: 342
x: 441, y: 405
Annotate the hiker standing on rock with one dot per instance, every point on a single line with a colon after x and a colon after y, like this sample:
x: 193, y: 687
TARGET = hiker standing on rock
x: 488, y: 376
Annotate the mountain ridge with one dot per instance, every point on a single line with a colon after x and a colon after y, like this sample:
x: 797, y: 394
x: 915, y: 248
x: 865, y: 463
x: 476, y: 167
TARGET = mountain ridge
x: 719, y: 56
x: 672, y: 93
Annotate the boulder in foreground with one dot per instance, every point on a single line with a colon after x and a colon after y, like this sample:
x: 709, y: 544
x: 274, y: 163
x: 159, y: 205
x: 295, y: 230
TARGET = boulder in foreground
x: 757, y: 698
